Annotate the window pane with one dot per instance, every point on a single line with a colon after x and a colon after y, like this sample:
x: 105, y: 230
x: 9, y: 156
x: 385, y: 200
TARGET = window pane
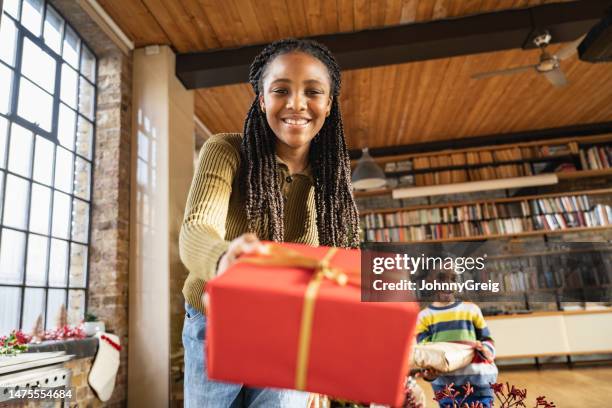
x: 66, y: 126
x: 31, y: 15
x: 68, y: 86
x: 1, y: 190
x: 6, y: 85
x: 36, y: 266
x: 53, y: 29
x: 12, y: 254
x: 8, y: 39
x: 35, y: 104
x: 80, y: 220
x: 76, y: 306
x: 3, y: 138
x: 78, y: 265
x: 88, y: 64
x: 38, y: 65
x: 20, y: 151
x: 63, y: 169
x: 84, y: 137
x: 16, y: 209
x: 61, y: 215
x: 11, y: 7
x: 55, y: 301
x: 86, y: 98
x: 33, y: 306
x: 43, y: 160
x: 40, y: 209
x: 82, y: 178
x: 10, y: 302
x: 71, y: 47
x: 59, y: 263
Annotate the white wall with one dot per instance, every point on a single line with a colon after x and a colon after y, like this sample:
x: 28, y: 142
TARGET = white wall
x: 162, y: 148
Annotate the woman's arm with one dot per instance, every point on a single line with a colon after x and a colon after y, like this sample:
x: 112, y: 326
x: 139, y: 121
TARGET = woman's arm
x: 201, y: 241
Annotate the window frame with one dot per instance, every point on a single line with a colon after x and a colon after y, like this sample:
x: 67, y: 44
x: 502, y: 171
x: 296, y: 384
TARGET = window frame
x: 13, y: 117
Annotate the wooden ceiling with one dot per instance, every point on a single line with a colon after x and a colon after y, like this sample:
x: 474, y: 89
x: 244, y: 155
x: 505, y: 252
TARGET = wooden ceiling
x: 382, y: 106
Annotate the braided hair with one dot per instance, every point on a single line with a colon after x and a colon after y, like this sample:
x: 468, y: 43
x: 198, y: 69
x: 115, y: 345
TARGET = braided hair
x: 337, y: 217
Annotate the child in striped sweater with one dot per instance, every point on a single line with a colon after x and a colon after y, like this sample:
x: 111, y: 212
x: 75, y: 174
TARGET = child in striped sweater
x: 455, y: 321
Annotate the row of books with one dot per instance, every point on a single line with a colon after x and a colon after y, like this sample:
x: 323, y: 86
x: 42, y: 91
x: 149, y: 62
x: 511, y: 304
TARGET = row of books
x: 568, y: 270
x: 494, y: 156
x: 600, y: 215
x: 596, y: 158
x: 446, y: 231
x: 553, y: 205
x: 396, y: 166
x: 473, y: 174
x: 480, y: 211
x: 522, y: 281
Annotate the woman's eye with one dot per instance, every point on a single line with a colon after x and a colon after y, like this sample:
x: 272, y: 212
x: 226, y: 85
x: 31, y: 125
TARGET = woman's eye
x: 279, y: 91
x: 314, y: 92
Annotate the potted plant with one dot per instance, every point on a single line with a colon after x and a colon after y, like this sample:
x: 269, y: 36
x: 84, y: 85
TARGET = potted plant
x: 92, y: 325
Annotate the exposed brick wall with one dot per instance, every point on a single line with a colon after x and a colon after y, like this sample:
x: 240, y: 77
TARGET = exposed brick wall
x: 109, y: 250
x: 85, y: 396
x: 109, y: 254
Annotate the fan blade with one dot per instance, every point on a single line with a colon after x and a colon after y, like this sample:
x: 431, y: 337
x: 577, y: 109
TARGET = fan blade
x: 508, y: 71
x: 569, y: 50
x: 556, y: 77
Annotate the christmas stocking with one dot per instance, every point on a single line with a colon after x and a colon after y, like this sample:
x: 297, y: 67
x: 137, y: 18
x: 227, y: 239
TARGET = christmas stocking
x: 105, y: 366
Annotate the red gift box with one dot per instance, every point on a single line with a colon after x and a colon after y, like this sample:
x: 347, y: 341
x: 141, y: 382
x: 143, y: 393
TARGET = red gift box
x: 259, y: 332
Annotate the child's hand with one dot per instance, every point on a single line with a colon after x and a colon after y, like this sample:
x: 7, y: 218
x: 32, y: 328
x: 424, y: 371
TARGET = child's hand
x: 429, y: 374
x: 484, y: 351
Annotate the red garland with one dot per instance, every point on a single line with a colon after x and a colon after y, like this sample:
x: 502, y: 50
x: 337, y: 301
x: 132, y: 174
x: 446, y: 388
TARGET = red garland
x: 111, y: 342
x: 65, y: 333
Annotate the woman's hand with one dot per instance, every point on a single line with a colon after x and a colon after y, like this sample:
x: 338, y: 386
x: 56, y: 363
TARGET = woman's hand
x: 245, y: 244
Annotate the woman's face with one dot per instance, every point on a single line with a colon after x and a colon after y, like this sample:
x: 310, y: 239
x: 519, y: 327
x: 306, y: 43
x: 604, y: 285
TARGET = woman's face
x: 296, y: 98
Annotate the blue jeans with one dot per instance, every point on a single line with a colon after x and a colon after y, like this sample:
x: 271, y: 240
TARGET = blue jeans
x: 201, y: 392
x: 487, y: 402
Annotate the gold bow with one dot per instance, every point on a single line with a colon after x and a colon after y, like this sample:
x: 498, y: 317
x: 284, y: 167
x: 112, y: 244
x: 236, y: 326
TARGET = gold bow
x: 282, y: 256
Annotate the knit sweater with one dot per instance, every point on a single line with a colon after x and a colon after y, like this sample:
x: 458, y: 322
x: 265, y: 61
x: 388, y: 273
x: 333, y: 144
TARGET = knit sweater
x: 460, y: 321
x: 215, y: 213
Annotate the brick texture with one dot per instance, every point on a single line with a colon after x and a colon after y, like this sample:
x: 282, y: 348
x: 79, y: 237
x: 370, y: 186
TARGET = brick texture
x: 109, y: 249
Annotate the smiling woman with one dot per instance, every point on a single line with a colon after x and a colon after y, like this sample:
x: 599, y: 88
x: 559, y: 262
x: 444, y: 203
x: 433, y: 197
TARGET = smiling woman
x: 296, y: 100
x: 287, y: 178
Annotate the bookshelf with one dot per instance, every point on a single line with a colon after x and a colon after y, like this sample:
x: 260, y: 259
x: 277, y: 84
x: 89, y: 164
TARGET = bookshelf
x: 568, y: 158
x: 486, y: 219
x: 561, y: 214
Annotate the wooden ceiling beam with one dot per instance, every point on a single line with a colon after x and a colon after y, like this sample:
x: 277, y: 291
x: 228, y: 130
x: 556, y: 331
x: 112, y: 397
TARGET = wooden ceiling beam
x: 488, y: 32
x: 488, y: 140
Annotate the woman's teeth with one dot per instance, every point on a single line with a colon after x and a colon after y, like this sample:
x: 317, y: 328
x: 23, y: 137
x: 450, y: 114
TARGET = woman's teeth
x: 296, y: 121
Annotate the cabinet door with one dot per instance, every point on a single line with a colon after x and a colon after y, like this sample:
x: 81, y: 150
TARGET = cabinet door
x: 589, y: 333
x: 529, y: 336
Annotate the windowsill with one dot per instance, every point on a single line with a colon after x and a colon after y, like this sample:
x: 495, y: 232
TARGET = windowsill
x: 80, y: 348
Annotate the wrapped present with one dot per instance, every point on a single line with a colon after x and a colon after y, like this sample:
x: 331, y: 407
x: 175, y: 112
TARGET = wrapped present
x: 294, y: 319
x: 442, y: 356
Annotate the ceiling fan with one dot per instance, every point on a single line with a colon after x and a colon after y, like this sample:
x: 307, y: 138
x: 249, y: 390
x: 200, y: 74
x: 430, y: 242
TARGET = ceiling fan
x: 549, y: 64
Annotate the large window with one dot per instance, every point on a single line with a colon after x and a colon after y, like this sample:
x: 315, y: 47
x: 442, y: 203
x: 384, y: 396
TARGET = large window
x: 47, y: 112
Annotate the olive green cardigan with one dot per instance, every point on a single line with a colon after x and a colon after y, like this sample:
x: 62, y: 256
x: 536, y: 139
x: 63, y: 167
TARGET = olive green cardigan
x: 215, y: 212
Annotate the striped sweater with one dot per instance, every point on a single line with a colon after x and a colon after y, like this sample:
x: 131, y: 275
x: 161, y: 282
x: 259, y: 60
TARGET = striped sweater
x: 460, y: 321
x: 215, y: 212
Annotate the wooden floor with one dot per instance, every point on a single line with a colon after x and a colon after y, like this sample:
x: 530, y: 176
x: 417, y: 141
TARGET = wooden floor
x: 588, y: 387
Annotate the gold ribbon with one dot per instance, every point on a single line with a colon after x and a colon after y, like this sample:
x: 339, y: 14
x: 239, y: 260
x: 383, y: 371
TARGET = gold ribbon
x: 281, y: 256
